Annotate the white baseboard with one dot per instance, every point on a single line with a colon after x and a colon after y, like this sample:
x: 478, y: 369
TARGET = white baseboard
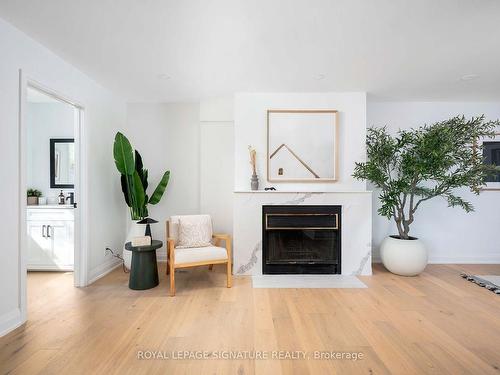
x: 51, y: 267
x: 103, y: 270
x: 482, y: 259
x: 10, y: 321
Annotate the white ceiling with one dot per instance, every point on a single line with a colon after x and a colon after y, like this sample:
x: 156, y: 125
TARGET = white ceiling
x: 393, y: 49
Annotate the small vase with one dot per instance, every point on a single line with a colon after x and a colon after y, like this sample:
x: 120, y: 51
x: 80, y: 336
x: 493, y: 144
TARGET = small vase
x: 134, y: 230
x: 32, y: 201
x: 254, y: 184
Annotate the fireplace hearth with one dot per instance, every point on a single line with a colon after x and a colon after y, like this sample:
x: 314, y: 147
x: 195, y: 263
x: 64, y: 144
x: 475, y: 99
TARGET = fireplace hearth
x: 301, y: 239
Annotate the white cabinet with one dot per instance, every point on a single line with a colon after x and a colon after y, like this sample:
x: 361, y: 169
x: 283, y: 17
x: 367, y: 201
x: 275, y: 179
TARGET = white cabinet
x: 50, y: 238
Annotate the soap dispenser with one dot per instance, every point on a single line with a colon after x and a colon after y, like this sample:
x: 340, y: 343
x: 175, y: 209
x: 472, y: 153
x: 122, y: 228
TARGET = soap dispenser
x: 62, y: 199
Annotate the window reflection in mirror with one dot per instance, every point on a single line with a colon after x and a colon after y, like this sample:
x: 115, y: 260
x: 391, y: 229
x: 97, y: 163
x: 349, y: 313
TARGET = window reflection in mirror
x: 62, y: 163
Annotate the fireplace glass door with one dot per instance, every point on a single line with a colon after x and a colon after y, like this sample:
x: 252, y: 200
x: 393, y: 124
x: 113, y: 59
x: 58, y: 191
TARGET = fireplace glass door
x: 306, y: 246
x: 301, y: 239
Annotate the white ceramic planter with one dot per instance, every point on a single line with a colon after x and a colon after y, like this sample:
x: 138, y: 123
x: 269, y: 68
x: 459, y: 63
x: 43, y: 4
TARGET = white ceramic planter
x: 403, y: 257
x: 134, y: 230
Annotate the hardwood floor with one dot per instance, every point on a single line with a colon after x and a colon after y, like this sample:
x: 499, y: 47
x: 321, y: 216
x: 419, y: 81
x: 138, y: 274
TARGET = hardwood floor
x: 436, y: 323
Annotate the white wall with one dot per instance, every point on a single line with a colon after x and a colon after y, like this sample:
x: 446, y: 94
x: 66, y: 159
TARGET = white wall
x: 451, y: 235
x: 217, y: 162
x: 45, y: 121
x: 250, y: 129
x: 167, y: 137
x: 104, y: 114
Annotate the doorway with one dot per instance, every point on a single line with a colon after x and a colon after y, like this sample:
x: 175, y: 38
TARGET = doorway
x: 52, y: 194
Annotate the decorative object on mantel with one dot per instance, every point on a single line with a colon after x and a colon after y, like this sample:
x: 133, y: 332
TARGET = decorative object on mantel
x: 254, y: 183
x: 32, y: 196
x: 302, y: 145
x: 272, y: 188
x: 490, y: 282
x: 415, y: 166
x: 134, y: 182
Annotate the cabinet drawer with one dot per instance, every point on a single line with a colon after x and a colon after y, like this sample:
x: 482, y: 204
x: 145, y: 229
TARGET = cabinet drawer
x: 49, y: 214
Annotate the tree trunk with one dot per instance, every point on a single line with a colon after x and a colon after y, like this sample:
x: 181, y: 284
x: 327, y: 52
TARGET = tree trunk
x: 401, y: 231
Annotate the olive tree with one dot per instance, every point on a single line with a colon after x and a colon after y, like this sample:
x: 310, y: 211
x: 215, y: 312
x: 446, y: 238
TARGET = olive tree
x: 419, y: 164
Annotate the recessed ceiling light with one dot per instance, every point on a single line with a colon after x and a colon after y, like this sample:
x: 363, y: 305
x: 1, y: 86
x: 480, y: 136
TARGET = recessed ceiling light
x: 163, y: 76
x: 321, y: 76
x: 469, y: 77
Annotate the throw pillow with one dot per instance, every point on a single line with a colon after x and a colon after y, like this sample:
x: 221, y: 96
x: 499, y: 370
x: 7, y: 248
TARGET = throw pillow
x: 195, y: 231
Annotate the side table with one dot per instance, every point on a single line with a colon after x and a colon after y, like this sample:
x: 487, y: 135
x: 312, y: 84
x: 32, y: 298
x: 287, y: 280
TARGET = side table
x: 144, y: 269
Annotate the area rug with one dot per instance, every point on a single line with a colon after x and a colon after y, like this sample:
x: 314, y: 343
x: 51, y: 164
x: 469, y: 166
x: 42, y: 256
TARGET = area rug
x: 490, y: 282
x: 306, y: 281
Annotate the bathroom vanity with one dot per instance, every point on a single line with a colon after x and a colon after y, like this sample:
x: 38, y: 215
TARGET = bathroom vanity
x: 50, y: 232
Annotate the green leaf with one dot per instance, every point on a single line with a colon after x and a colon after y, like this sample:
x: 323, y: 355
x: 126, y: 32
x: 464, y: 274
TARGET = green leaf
x: 125, y: 190
x: 160, y: 189
x: 123, y: 154
x: 139, y: 194
x: 139, y: 167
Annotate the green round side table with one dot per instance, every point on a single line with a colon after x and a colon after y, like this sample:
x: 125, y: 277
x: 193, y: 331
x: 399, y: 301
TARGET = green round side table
x: 144, y: 269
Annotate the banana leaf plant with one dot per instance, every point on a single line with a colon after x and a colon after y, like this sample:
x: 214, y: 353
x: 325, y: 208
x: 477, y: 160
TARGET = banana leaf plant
x: 134, y: 178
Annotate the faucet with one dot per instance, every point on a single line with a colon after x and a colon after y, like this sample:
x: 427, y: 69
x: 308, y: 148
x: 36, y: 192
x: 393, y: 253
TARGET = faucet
x: 71, y: 197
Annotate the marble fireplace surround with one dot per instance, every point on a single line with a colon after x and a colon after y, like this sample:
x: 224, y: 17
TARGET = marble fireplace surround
x: 356, y: 226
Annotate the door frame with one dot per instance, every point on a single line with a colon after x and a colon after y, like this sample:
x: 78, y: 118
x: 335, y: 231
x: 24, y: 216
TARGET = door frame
x: 80, y: 272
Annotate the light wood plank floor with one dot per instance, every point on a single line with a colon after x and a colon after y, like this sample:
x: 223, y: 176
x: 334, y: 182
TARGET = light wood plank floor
x: 436, y: 323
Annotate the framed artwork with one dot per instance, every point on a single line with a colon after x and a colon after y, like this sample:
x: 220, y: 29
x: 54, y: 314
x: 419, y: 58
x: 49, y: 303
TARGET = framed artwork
x: 491, y: 155
x: 302, y: 145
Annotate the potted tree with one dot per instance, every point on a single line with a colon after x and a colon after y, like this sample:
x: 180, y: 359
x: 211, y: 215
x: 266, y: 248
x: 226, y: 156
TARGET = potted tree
x: 134, y: 182
x: 415, y: 166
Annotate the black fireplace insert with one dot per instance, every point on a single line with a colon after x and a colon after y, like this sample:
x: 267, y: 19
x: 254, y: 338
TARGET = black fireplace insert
x: 301, y: 239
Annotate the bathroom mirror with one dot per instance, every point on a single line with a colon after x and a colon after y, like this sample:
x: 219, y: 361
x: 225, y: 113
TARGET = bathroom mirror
x: 62, y: 163
x: 302, y: 145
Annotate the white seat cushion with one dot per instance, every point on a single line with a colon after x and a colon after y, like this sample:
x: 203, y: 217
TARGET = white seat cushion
x: 199, y: 254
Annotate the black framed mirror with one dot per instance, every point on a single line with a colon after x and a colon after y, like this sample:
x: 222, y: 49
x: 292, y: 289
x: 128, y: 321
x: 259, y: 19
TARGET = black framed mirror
x: 62, y: 163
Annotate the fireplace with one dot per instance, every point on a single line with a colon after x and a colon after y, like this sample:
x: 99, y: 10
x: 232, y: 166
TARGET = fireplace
x: 301, y: 239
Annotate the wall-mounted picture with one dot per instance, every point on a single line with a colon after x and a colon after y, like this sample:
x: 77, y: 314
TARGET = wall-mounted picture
x: 491, y: 155
x: 302, y: 145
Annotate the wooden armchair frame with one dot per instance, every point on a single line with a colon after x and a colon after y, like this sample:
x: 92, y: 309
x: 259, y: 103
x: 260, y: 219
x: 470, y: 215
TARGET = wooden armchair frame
x: 171, y: 266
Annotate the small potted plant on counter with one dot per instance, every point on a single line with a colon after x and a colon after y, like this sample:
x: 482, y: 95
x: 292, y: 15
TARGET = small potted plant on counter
x: 417, y: 165
x: 33, y: 195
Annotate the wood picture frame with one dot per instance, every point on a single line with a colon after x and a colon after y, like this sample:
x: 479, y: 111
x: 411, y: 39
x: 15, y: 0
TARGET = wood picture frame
x: 310, y: 137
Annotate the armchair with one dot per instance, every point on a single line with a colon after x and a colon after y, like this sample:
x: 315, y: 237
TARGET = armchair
x: 195, y: 256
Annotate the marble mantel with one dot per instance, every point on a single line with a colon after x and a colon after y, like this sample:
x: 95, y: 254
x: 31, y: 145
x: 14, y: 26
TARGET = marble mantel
x: 356, y: 226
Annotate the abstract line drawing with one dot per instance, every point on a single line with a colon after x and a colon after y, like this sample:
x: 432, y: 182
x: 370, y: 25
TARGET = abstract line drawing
x: 283, y: 145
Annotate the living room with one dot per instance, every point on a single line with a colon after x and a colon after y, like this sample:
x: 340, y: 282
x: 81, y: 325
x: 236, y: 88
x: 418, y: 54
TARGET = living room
x: 253, y: 187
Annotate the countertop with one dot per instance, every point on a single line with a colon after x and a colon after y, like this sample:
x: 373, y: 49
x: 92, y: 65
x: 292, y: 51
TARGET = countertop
x: 50, y: 206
